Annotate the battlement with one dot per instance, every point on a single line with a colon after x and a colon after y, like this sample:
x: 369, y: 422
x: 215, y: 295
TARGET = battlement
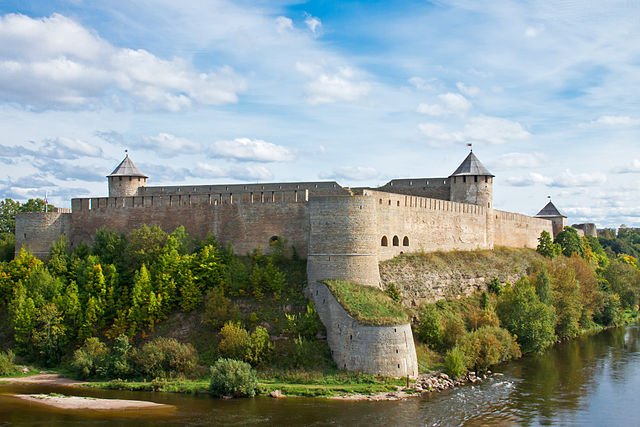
x: 393, y: 200
x: 320, y: 187
x: 436, y: 188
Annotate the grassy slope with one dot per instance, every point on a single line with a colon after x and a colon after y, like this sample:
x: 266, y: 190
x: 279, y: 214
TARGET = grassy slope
x: 368, y: 305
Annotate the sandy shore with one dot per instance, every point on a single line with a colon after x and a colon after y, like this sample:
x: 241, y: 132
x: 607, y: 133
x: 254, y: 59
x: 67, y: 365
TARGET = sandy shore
x: 54, y: 379
x: 77, y: 402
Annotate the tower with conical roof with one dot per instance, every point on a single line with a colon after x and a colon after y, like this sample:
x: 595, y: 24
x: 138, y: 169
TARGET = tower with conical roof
x: 472, y: 183
x: 125, y: 179
x: 552, y: 213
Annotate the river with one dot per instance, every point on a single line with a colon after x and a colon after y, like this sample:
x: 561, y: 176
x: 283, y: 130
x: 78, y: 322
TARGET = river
x: 591, y: 381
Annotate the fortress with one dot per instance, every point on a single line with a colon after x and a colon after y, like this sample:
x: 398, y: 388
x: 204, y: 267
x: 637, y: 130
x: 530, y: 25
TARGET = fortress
x: 342, y: 232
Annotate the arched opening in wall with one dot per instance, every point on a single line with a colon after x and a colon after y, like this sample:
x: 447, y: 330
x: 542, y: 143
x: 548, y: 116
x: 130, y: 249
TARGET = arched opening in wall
x: 384, y: 241
x: 405, y: 241
x: 396, y: 241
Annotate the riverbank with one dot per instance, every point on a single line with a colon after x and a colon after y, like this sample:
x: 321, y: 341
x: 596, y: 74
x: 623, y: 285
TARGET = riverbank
x: 79, y: 402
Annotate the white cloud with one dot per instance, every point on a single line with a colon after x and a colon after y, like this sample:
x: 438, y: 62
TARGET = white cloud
x: 250, y: 172
x: 519, y: 160
x: 632, y: 167
x: 245, y: 149
x: 55, y: 62
x: 449, y: 103
x: 314, y: 24
x: 283, y: 24
x: 420, y: 83
x: 326, y: 88
x: 567, y: 179
x: 533, y: 31
x: 438, y: 134
x: 470, y: 91
x: 353, y: 173
x: 616, y: 121
x: 168, y: 145
x: 494, y: 130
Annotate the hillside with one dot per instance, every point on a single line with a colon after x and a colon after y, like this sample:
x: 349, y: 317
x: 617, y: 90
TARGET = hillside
x: 428, y: 277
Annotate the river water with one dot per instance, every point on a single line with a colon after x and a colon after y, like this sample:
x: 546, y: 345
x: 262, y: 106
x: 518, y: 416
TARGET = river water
x: 591, y: 381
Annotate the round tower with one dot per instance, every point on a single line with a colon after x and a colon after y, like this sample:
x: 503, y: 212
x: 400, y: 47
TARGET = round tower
x: 125, y: 179
x: 472, y: 183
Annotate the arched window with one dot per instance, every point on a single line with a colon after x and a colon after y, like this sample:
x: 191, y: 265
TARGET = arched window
x: 384, y: 241
x: 396, y: 241
x: 405, y: 241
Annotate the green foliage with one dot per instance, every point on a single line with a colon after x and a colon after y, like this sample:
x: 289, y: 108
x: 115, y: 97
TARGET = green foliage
x: 260, y: 347
x: 235, y: 341
x: 494, y: 286
x: 624, y: 280
x: 394, y: 293
x: 543, y: 287
x: 7, y: 246
x: 546, y: 247
x: 453, y: 328
x: 567, y: 299
x: 455, y: 363
x: 231, y: 377
x: 166, y: 358
x: 306, y: 324
x: 524, y: 315
x: 488, y: 346
x: 368, y: 305
x: 119, y: 366
x: 610, y: 313
x: 429, y: 329
x: 570, y: 242
x: 90, y: 360
x: 9, y: 208
x: 218, y: 308
x: 7, y: 363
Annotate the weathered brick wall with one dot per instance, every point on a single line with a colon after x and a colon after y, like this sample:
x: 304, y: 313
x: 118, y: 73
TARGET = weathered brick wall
x: 517, y: 230
x: 427, y: 224
x: 378, y: 350
x: 37, y: 230
x: 235, y: 221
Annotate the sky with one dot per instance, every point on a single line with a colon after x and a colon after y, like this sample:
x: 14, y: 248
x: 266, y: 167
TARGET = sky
x: 361, y: 92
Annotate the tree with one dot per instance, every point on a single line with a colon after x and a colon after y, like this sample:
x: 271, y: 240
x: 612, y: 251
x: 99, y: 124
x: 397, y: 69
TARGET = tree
x: 546, y: 247
x: 9, y: 208
x: 524, y: 315
x: 49, y: 334
x: 570, y: 242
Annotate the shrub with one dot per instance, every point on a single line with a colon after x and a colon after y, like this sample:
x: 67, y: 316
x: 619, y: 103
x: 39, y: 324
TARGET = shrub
x: 235, y: 340
x: 218, y: 308
x: 231, y: 377
x: 166, y: 358
x: 7, y: 360
x: 488, y: 346
x: 453, y: 328
x: 429, y: 329
x: 455, y: 363
x: 524, y: 315
x: 119, y: 358
x: 494, y: 286
x: 90, y: 360
x: 610, y: 312
x: 393, y: 292
x: 260, y: 347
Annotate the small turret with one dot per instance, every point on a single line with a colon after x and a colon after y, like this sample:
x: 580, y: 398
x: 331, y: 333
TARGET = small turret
x: 125, y: 179
x: 472, y: 183
x: 552, y: 213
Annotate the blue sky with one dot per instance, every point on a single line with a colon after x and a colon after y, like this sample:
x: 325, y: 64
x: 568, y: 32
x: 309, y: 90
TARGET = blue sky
x: 355, y: 91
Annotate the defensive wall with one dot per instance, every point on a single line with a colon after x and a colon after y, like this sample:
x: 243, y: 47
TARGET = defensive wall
x: 36, y: 231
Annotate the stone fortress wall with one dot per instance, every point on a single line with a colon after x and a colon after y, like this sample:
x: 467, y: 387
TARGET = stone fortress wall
x: 343, y: 233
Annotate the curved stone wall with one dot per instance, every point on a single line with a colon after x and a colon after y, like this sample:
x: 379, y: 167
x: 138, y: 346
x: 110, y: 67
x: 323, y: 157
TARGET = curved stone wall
x: 125, y: 186
x: 477, y: 190
x: 36, y: 231
x: 378, y: 350
x: 343, y: 239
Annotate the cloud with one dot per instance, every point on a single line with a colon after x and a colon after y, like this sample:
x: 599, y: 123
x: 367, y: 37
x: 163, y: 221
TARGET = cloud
x: 168, y: 145
x: 494, y: 130
x: 519, y: 160
x: 52, y: 148
x: 632, y: 167
x: 242, y: 173
x: 245, y: 149
x: 352, y: 173
x: 421, y: 84
x: 533, y: 31
x: 326, y: 88
x: 470, y: 91
x: 54, y: 62
x: 567, y: 179
x: 450, y: 103
x: 33, y: 181
x: 314, y: 24
x: 69, y: 172
x: 616, y: 121
x: 283, y: 24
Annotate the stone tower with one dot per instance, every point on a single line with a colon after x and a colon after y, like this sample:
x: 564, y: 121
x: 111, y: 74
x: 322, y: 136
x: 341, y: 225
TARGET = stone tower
x: 552, y: 213
x: 125, y: 179
x: 472, y: 183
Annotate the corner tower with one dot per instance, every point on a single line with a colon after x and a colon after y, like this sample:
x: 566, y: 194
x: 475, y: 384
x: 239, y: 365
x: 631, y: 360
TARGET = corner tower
x: 472, y: 183
x: 552, y: 213
x: 125, y: 179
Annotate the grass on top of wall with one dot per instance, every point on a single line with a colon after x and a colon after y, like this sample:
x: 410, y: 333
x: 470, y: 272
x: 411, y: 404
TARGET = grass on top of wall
x: 366, y: 304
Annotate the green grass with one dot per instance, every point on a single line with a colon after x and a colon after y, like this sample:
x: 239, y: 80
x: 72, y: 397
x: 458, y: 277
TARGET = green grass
x: 366, y: 304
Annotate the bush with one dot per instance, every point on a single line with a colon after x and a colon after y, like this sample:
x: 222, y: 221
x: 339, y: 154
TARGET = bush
x: 524, y: 315
x: 455, y: 363
x: 119, y: 358
x: 90, y: 360
x: 7, y: 360
x: 235, y: 340
x: 166, y: 358
x: 494, y: 286
x: 260, y: 347
x: 231, y: 377
x: 218, y: 308
x: 453, y: 328
x: 488, y: 346
x: 429, y: 329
